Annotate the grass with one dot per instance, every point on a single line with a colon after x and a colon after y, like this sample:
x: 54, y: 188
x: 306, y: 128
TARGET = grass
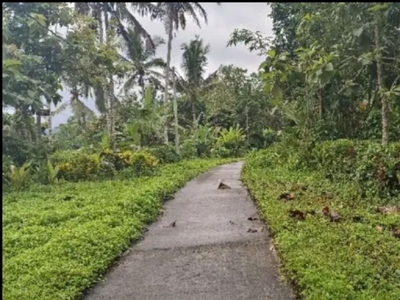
x: 58, y: 240
x: 355, y: 259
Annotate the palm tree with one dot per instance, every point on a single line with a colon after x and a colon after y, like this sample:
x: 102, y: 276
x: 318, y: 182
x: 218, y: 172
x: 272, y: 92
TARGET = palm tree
x: 148, y: 121
x: 79, y: 109
x: 143, y: 61
x: 118, y: 11
x: 173, y: 14
x: 194, y: 61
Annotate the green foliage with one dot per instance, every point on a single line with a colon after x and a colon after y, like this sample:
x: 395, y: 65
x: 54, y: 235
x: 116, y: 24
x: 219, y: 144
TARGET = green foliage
x: 230, y: 143
x: 6, y: 164
x: 323, y: 63
x: 46, y: 173
x: 76, y: 165
x: 188, y: 149
x: 58, y: 240
x: 270, y: 136
x: 140, y: 163
x: 205, y: 137
x: 19, y: 177
x: 373, y: 166
x: 326, y: 260
x: 165, y: 154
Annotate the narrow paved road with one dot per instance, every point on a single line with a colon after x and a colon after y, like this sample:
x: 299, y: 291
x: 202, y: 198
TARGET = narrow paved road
x: 208, y: 254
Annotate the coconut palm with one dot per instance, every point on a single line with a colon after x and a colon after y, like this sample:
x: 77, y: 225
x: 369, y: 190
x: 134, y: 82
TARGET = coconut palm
x: 173, y: 14
x: 120, y: 11
x: 194, y: 61
x: 104, y: 13
x: 144, y: 65
x: 79, y: 109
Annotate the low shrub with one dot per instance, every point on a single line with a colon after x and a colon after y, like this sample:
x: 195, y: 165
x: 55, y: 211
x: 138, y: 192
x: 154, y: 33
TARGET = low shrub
x: 6, y: 164
x: 188, y: 149
x: 355, y: 258
x: 230, y: 143
x: 76, y: 165
x: 165, y: 154
x: 376, y: 168
x: 143, y: 163
x: 19, y: 177
x: 46, y: 173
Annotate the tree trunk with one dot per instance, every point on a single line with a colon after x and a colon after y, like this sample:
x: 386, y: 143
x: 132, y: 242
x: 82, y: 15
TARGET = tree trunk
x: 38, y: 127
x: 50, y: 122
x: 169, y: 49
x: 194, y: 114
x: 381, y: 86
x: 175, y: 113
x: 110, y: 91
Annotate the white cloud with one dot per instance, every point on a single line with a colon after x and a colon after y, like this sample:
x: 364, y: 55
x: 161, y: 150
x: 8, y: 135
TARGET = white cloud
x: 222, y: 21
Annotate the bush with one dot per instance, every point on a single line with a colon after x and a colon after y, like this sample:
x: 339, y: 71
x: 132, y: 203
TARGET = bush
x: 165, y: 153
x: 270, y: 136
x: 188, y: 149
x: 230, y: 143
x: 355, y: 258
x: 375, y: 168
x: 46, y: 173
x: 143, y: 163
x: 337, y: 158
x: 6, y: 164
x: 19, y: 177
x: 139, y: 163
x: 76, y: 165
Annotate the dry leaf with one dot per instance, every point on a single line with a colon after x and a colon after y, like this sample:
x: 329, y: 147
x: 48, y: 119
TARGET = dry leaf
x: 396, y: 233
x: 333, y: 216
x: 223, y: 186
x: 173, y: 224
x: 297, y: 214
x: 287, y: 196
x: 387, y: 210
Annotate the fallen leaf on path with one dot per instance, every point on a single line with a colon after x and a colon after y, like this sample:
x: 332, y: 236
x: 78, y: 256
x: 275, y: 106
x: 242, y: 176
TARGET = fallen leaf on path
x: 173, y: 224
x: 223, y: 186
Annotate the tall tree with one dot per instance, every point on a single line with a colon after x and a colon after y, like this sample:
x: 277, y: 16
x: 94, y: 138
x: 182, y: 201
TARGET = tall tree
x: 174, y: 14
x: 142, y: 63
x: 194, y: 61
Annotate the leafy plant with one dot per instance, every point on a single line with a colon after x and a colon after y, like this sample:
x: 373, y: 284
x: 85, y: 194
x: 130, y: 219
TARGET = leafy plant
x: 230, y: 142
x: 19, y: 177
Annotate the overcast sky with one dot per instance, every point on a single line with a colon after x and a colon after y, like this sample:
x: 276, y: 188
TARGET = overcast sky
x: 222, y: 21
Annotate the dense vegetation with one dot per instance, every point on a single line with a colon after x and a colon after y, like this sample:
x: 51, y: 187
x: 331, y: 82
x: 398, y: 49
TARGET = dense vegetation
x: 330, y: 189
x: 332, y: 239
x: 58, y: 240
x: 326, y: 97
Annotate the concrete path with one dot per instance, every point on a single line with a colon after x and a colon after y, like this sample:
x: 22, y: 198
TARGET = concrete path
x: 208, y: 254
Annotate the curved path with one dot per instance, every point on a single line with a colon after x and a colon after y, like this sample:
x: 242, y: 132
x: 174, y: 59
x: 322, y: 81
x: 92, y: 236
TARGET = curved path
x: 208, y: 254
